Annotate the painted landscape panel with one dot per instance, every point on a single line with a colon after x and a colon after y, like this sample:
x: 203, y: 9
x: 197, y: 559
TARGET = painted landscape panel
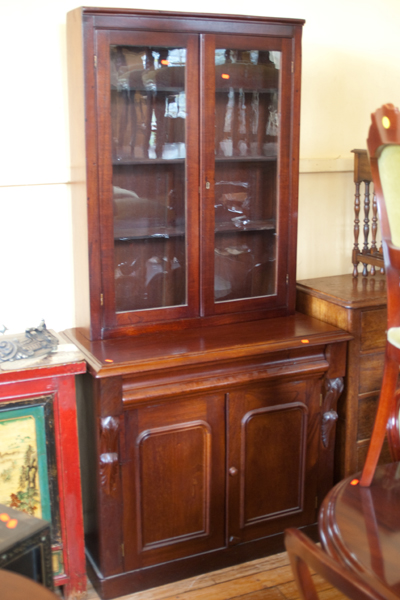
x: 23, y: 461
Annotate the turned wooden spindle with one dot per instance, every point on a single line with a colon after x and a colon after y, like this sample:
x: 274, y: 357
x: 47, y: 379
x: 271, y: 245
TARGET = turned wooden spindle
x: 370, y: 254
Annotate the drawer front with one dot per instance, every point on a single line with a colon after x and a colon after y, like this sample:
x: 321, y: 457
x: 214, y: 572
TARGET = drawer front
x: 362, y: 449
x: 373, y: 329
x: 367, y: 408
x: 371, y: 372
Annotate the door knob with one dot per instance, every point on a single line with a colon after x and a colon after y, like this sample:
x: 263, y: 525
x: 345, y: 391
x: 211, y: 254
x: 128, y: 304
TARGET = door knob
x: 233, y: 471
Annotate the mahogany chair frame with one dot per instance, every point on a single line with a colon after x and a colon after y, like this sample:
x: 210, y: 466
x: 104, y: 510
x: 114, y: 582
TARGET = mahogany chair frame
x: 304, y: 554
x: 384, y: 131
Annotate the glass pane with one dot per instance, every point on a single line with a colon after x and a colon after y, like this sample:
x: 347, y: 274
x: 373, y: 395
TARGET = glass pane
x: 148, y: 111
x: 246, y: 151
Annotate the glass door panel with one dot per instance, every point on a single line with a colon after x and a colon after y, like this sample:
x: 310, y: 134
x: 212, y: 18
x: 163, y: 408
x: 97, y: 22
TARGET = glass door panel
x: 148, y: 122
x: 247, y: 134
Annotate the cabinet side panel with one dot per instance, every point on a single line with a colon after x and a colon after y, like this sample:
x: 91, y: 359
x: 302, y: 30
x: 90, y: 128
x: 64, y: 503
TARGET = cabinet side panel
x: 78, y: 168
x: 88, y: 457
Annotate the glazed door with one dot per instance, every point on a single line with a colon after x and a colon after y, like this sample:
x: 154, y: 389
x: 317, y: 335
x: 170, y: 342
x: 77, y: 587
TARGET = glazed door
x: 173, y: 480
x: 246, y: 186
x: 147, y: 103
x: 273, y: 446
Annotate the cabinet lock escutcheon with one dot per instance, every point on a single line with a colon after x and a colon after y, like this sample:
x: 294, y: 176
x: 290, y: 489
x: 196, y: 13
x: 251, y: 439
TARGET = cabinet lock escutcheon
x: 233, y: 471
x: 208, y: 185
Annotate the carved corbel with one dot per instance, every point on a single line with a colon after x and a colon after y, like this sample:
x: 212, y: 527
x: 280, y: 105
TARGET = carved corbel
x: 109, y: 430
x: 333, y: 389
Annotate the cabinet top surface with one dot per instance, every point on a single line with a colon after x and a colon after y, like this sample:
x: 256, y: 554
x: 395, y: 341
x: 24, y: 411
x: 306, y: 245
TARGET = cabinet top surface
x: 100, y: 11
x: 184, y: 347
x: 346, y: 290
x: 64, y: 359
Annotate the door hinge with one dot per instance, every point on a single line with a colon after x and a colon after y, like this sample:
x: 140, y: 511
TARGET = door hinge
x: 101, y: 299
x: 287, y: 279
x: 95, y: 61
x: 320, y: 399
x: 123, y: 549
x: 316, y: 501
x: 292, y: 66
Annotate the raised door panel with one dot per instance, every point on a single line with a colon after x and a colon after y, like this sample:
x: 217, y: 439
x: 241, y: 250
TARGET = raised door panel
x: 173, y: 480
x: 273, y: 451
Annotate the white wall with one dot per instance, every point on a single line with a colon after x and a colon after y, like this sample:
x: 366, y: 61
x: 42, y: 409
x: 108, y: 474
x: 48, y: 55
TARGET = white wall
x: 350, y: 67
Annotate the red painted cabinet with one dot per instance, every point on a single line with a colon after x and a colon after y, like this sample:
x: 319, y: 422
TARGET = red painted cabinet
x: 38, y: 407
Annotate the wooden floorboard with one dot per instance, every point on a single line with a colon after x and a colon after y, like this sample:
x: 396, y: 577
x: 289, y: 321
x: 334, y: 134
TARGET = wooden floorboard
x: 264, y: 579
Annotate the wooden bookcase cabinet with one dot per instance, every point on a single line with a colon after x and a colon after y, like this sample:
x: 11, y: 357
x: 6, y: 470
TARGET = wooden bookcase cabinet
x: 184, y: 146
x: 207, y: 414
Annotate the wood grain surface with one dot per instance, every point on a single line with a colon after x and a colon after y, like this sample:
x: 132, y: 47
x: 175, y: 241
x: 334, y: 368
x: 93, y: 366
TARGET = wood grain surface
x: 264, y: 579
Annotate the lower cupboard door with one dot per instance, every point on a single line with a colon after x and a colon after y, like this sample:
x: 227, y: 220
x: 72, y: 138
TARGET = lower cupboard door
x: 173, y: 480
x: 273, y: 445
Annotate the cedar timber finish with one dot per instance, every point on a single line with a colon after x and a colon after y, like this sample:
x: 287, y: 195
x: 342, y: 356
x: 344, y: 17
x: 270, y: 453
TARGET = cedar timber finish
x: 209, y: 414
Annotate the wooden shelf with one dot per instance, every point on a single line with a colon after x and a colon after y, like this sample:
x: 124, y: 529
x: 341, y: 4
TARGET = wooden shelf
x: 229, y: 227
x: 147, y: 161
x: 133, y: 232
x: 258, y: 158
x: 168, y: 161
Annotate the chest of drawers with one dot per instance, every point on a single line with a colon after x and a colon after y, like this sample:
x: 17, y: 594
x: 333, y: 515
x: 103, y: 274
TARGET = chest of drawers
x: 358, y: 305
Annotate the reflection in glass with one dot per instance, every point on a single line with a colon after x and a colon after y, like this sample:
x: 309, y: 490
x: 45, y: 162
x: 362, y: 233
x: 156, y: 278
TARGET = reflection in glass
x: 148, y: 112
x: 246, y: 150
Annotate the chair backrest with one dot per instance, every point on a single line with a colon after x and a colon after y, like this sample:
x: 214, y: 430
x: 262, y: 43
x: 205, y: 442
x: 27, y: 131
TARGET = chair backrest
x: 384, y: 152
x: 304, y: 554
x: 370, y: 254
